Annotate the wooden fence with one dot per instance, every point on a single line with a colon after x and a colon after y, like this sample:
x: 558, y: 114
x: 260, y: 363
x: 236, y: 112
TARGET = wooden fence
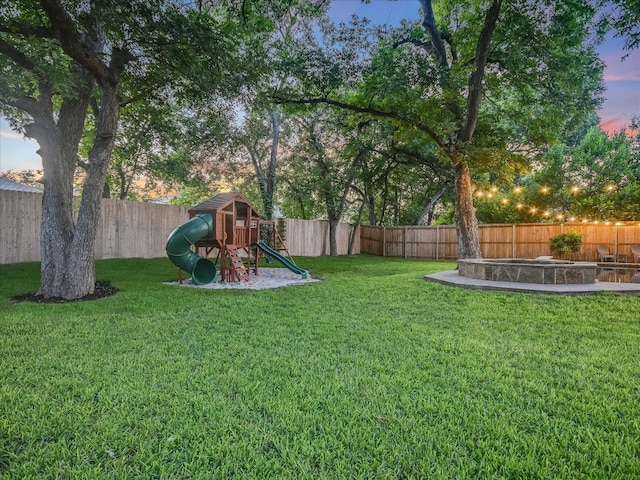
x: 134, y: 229
x: 524, y: 240
x: 311, y: 237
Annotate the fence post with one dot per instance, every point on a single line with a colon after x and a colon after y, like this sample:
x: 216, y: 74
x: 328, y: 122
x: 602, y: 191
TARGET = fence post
x: 404, y: 243
x: 384, y: 241
x: 437, y: 241
x: 513, y: 240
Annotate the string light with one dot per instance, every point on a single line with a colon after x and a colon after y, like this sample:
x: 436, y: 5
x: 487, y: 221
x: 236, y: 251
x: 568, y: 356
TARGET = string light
x: 493, y: 191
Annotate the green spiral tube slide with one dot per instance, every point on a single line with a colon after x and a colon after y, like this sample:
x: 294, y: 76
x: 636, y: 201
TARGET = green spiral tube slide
x: 179, y: 251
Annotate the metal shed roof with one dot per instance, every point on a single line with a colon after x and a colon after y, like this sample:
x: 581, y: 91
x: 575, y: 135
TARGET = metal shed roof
x: 6, y: 184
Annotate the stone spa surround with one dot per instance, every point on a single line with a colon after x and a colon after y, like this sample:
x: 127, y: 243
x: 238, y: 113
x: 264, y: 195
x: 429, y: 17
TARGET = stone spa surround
x: 528, y: 270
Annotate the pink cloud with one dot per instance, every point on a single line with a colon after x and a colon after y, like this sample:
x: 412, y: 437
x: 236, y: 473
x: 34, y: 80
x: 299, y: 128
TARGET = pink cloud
x: 11, y: 135
x: 620, y: 69
x: 622, y: 77
x: 611, y: 125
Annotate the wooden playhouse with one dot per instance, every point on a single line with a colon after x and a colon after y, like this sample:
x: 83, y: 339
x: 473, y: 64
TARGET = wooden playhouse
x: 236, y: 227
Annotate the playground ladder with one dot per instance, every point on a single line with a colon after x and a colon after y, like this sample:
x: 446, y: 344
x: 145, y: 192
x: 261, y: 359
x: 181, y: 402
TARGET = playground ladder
x: 237, y: 264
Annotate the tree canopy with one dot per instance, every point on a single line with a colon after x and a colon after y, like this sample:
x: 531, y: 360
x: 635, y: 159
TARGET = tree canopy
x: 484, y: 81
x: 63, y: 58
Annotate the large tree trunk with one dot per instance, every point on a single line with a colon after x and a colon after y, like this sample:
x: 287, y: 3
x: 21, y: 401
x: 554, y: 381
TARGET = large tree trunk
x: 82, y: 254
x: 354, y: 229
x: 273, y: 161
x: 371, y: 207
x: 333, y: 231
x: 67, y: 250
x: 466, y: 221
x: 59, y: 151
x: 266, y: 180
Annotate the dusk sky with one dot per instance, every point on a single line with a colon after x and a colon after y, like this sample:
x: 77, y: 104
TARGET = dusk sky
x: 622, y: 79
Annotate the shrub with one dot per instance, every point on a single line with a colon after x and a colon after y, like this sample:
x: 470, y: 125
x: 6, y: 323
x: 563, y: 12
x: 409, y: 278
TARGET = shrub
x: 566, y: 243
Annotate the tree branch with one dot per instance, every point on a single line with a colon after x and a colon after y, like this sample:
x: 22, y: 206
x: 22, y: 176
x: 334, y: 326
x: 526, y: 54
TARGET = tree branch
x: 26, y: 104
x: 22, y: 60
x: 73, y: 45
x: 426, y: 46
x: 71, y: 42
x: 27, y: 30
x: 477, y: 77
x: 429, y: 24
x: 432, y: 202
x: 368, y: 110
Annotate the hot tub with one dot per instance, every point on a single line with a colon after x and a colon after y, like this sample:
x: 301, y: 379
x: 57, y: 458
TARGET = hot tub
x: 523, y: 270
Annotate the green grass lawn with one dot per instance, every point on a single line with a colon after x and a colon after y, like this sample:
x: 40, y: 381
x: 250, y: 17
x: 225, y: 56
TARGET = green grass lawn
x: 371, y: 373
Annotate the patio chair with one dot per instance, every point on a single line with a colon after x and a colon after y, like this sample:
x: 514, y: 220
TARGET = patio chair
x: 604, y: 255
x: 635, y: 249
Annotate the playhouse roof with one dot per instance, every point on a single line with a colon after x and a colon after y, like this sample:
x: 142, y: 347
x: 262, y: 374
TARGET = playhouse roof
x: 220, y: 201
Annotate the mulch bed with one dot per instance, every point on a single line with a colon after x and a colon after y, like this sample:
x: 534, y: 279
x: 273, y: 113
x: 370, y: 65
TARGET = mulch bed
x: 102, y: 290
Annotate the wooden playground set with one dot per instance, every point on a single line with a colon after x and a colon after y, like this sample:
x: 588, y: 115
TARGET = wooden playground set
x: 229, y: 226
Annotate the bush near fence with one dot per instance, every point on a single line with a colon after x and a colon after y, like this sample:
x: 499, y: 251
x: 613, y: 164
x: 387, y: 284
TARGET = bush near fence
x: 129, y: 229
x: 523, y: 240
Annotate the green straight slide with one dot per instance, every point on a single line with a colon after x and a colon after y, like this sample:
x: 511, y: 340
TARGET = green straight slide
x: 282, y: 259
x: 179, y: 251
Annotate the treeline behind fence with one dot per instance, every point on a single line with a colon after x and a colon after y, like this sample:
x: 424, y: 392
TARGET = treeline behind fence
x: 523, y: 240
x: 135, y: 229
